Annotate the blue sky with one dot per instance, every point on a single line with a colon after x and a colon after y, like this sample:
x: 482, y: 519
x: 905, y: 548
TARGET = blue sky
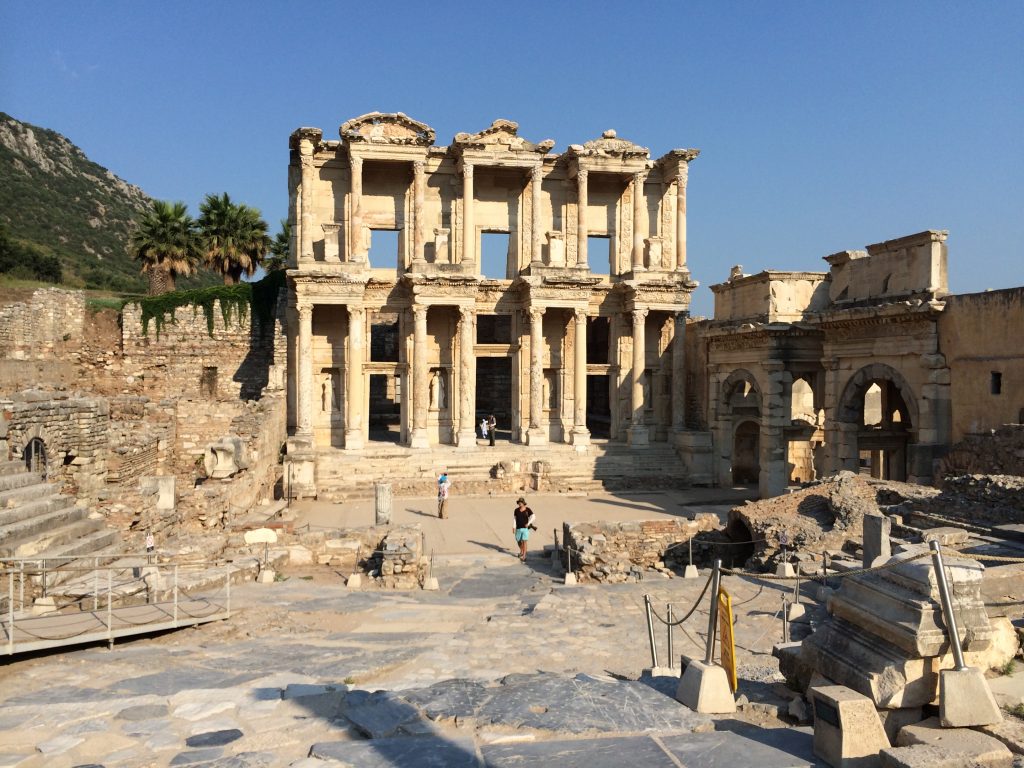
x: 823, y: 126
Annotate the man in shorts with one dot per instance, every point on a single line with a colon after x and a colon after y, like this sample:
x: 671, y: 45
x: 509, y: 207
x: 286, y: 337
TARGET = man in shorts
x: 524, y: 524
x: 443, y: 486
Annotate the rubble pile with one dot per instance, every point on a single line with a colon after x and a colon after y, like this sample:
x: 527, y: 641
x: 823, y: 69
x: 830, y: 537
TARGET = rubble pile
x: 999, y: 452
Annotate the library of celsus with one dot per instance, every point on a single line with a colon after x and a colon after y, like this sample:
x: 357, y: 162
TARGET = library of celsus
x: 581, y: 335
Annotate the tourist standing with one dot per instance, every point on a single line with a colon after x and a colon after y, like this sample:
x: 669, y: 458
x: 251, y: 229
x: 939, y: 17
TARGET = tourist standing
x: 492, y: 427
x: 150, y: 545
x: 483, y: 428
x: 443, y: 486
x: 524, y: 524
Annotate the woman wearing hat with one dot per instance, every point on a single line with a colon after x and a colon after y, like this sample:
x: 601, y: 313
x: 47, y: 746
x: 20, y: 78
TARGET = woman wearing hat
x: 524, y: 524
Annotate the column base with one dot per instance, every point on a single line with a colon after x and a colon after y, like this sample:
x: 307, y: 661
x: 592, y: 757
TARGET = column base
x: 300, y: 468
x: 580, y: 437
x: 354, y: 439
x: 419, y: 439
x: 638, y: 437
x: 536, y: 436
x: 466, y: 440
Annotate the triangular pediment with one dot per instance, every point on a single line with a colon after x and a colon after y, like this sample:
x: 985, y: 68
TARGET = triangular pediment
x: 502, y: 134
x: 387, y: 128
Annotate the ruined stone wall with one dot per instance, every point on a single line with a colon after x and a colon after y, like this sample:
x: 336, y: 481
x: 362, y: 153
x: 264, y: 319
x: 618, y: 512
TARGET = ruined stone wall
x: 41, y: 325
x: 999, y: 452
x: 616, y: 552
x: 238, y: 360
x: 980, y: 335
x: 73, y: 431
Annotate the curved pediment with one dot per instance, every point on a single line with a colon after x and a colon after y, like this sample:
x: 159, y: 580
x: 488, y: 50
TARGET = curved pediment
x: 502, y: 134
x: 387, y: 128
x: 610, y: 145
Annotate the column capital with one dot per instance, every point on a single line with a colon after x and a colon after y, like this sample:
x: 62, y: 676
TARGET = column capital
x: 467, y: 313
x: 418, y: 166
x: 681, y: 316
x: 581, y: 175
x: 305, y: 161
x: 305, y: 311
x: 356, y: 162
x: 639, y: 315
x: 535, y: 172
x: 580, y: 315
x: 640, y: 176
x: 536, y: 313
x: 419, y: 313
x: 355, y: 311
x: 682, y: 175
x: 467, y: 170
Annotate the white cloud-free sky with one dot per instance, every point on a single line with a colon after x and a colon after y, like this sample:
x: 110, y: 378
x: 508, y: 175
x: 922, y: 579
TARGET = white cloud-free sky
x: 822, y: 126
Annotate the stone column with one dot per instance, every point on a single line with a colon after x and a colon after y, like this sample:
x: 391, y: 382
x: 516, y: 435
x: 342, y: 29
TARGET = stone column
x: 537, y: 434
x: 306, y: 201
x: 681, y: 177
x: 354, y: 378
x: 420, y: 379
x: 466, y: 437
x: 679, y: 373
x: 580, y: 436
x: 638, y: 214
x: 535, y: 179
x: 638, y: 434
x: 355, y: 238
x: 419, y: 183
x: 304, y: 396
x: 581, y: 219
x: 468, y: 225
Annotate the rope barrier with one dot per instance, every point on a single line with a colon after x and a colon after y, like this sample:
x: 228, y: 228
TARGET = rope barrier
x: 689, y: 613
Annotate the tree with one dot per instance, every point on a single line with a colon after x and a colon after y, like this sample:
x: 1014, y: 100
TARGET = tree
x: 166, y: 244
x: 234, y: 237
x: 280, y: 248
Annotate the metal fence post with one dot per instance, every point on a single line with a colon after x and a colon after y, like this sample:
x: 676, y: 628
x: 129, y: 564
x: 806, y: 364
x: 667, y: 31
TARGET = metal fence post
x: 110, y: 607
x: 947, y: 606
x: 716, y: 580
x: 785, y: 619
x: 669, y: 615
x: 10, y: 616
x: 650, y: 630
x: 175, y: 594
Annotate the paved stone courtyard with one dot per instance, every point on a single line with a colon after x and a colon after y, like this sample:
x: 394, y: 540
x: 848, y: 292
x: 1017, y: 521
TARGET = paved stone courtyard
x: 503, y: 666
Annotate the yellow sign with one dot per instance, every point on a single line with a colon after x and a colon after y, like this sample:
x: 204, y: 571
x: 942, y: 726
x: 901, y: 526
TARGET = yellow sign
x: 728, y: 649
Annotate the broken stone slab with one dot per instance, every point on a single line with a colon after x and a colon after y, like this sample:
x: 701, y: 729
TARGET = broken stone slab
x: 966, y: 743
x: 382, y: 714
x: 213, y: 738
x: 420, y: 752
x: 847, y: 730
x: 260, y: 536
x: 965, y: 699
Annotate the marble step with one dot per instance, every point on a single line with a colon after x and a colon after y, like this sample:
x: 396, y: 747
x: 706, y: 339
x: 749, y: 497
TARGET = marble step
x: 18, y: 479
x: 31, y: 509
x: 31, y: 491
x: 25, y: 531
x: 65, y: 534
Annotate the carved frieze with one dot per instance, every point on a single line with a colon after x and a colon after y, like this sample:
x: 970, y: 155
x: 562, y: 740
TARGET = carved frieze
x: 610, y: 146
x: 501, y: 135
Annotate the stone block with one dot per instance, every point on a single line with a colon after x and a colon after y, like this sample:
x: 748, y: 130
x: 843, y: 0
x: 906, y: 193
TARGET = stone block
x: 355, y: 581
x: 785, y: 570
x: 847, y: 729
x: 705, y: 688
x: 691, y: 572
x: 876, y: 539
x: 947, y: 536
x: 893, y: 720
x: 299, y: 555
x: 965, y: 699
x: 261, y: 536
x: 266, y: 576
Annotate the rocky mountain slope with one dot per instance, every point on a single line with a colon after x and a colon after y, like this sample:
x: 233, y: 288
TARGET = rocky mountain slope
x: 56, y: 201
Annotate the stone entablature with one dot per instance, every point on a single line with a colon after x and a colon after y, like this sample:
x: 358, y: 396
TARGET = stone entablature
x: 914, y: 265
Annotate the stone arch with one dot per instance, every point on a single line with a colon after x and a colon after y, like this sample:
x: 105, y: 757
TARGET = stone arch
x: 881, y: 449
x: 740, y: 401
x: 851, y: 404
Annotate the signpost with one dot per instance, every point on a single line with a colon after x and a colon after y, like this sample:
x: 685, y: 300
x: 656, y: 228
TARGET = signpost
x: 728, y: 648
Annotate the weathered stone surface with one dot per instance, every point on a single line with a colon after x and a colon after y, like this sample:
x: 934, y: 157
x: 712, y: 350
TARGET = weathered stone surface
x: 424, y: 752
x: 965, y: 742
x: 213, y: 738
x: 382, y: 714
x: 847, y: 731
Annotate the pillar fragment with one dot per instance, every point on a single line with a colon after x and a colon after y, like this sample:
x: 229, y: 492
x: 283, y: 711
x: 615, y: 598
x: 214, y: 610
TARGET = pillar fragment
x: 581, y: 219
x: 356, y: 251
x: 419, y: 184
x: 638, y: 213
x: 468, y: 225
x: 679, y: 372
x: 306, y: 201
x: 681, y: 216
x: 305, y: 383
x: 536, y: 234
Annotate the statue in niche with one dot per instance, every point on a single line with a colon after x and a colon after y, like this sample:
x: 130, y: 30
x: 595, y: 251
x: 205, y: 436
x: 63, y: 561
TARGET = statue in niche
x: 328, y: 393
x: 438, y: 391
x: 646, y: 390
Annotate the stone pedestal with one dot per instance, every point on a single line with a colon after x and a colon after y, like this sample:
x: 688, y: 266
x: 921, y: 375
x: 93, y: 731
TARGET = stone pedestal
x: 638, y: 437
x: 300, y: 469
x: 876, y: 539
x: 847, y: 731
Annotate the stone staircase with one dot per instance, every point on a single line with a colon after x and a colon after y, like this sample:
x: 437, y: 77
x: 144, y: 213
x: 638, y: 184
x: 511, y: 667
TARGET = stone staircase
x: 604, y: 466
x: 37, y: 521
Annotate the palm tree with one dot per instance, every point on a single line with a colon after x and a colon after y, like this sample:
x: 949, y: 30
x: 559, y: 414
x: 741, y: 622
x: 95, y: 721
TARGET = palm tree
x: 234, y: 237
x: 165, y: 242
x: 280, y: 248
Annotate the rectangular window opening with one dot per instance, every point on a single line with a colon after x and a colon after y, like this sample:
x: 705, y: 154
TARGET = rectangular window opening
x: 494, y: 329
x: 384, y: 249
x: 494, y: 255
x: 996, y: 383
x: 599, y: 254
x: 384, y: 338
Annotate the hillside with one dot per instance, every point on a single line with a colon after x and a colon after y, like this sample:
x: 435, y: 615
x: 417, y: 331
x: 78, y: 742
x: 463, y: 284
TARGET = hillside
x: 56, y: 202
